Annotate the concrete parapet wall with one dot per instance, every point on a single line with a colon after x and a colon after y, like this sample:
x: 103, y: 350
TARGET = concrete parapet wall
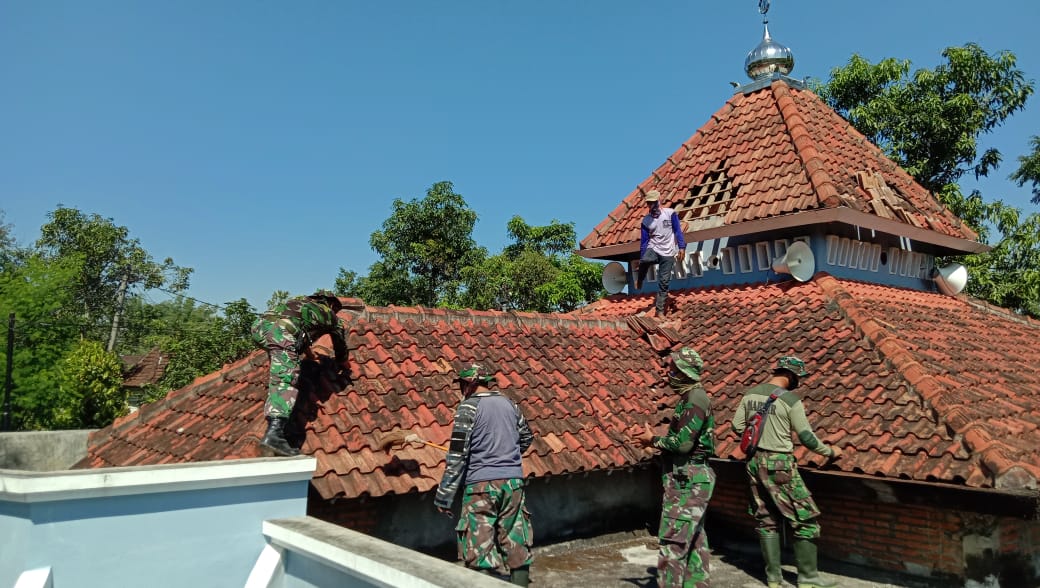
x: 42, y: 451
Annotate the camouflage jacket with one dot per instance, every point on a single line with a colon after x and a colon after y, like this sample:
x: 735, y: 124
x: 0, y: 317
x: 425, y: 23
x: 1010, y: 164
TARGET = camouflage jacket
x: 305, y: 320
x: 691, y: 434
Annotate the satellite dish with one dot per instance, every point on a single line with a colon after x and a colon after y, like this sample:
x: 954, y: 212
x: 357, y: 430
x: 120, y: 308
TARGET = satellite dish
x: 798, y: 261
x: 614, y: 277
x: 950, y: 279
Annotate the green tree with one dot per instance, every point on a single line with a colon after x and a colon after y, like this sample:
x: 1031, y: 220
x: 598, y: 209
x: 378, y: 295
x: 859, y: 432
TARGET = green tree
x: 206, y: 347
x: 91, y: 393
x: 536, y: 272
x: 40, y: 294
x: 930, y: 123
x: 422, y: 246
x: 113, y: 264
x: 1029, y: 170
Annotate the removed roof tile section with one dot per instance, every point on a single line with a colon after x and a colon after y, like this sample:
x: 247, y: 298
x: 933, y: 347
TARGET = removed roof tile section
x: 780, y: 150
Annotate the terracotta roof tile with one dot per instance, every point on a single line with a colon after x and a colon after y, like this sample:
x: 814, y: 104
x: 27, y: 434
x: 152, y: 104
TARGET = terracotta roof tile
x: 574, y: 376
x: 914, y: 385
x: 784, y: 151
x: 918, y: 385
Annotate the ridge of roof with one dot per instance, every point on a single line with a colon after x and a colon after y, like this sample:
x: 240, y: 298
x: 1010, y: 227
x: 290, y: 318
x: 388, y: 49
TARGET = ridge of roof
x: 804, y: 147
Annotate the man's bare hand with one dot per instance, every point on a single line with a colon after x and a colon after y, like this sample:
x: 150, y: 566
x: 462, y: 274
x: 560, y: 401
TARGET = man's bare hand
x: 446, y: 512
x: 837, y: 452
x: 644, y: 437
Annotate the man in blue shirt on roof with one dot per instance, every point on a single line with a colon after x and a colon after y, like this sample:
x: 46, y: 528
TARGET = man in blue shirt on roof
x: 661, y: 242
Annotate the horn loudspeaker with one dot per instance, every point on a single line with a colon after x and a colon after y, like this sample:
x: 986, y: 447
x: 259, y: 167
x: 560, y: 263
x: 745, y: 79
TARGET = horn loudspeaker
x: 951, y: 279
x: 799, y: 261
x: 614, y: 277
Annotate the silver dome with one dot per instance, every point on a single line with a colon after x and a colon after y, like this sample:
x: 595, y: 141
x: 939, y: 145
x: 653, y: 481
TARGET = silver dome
x: 768, y: 58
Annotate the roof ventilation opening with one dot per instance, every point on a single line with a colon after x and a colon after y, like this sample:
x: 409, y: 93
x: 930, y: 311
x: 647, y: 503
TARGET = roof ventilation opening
x: 712, y: 197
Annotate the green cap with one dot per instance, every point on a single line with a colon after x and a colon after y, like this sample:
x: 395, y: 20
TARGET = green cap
x: 792, y: 364
x: 688, y: 361
x: 478, y: 372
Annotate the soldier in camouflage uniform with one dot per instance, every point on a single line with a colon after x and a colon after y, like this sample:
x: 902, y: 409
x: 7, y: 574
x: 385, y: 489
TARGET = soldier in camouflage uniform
x: 777, y: 489
x: 688, y: 479
x: 489, y: 435
x: 286, y: 331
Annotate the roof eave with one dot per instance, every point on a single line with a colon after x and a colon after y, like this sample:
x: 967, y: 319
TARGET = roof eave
x: 840, y: 214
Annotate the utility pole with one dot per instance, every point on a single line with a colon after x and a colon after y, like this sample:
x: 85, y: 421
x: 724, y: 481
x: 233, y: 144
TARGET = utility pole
x: 8, y: 382
x: 120, y: 297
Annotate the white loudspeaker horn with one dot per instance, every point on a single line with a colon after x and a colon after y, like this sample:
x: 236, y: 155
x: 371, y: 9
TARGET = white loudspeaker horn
x: 799, y: 261
x: 950, y: 279
x: 614, y: 277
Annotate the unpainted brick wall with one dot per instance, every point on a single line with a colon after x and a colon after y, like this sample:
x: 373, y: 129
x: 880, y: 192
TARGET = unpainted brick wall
x: 886, y: 535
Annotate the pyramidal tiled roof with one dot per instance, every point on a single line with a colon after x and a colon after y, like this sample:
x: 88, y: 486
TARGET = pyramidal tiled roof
x: 582, y: 381
x: 913, y: 385
x: 777, y: 151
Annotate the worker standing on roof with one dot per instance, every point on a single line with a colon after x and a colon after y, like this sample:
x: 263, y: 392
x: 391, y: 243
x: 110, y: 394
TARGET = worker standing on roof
x: 661, y: 242
x: 688, y: 479
x: 286, y: 332
x: 487, y: 440
x: 777, y: 489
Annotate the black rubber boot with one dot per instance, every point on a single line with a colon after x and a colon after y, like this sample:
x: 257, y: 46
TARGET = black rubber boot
x: 520, y: 576
x: 274, y: 438
x: 805, y: 558
x: 770, y: 544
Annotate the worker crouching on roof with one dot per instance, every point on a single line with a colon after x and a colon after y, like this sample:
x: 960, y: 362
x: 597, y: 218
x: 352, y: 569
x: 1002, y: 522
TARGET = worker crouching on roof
x: 777, y: 489
x: 488, y: 438
x: 286, y: 331
x: 688, y: 479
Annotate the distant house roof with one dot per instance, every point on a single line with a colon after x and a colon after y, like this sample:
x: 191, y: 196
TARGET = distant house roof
x: 142, y: 370
x: 768, y: 155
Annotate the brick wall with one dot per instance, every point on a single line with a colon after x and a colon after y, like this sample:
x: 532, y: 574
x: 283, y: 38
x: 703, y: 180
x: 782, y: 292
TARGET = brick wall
x: 917, y: 529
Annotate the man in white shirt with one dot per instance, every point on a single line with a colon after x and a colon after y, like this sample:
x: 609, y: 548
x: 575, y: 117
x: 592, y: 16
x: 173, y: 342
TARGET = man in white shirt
x: 661, y: 242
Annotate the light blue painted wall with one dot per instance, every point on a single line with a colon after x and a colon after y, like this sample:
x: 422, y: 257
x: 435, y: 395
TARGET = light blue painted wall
x: 714, y: 276
x: 15, y: 528
x: 202, y: 536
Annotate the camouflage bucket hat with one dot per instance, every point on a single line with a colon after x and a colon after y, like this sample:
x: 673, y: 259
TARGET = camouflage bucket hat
x: 476, y: 372
x: 689, y: 362
x: 791, y: 364
x: 328, y: 296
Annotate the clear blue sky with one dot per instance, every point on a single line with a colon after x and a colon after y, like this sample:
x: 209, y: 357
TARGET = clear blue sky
x: 261, y: 142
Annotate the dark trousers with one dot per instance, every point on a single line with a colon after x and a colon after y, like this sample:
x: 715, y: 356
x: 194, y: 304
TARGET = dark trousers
x: 665, y: 266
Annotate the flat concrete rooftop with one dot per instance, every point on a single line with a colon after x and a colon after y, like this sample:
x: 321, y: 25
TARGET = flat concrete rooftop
x: 625, y: 560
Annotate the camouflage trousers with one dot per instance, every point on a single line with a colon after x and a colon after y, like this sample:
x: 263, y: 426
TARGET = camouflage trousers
x: 684, y: 555
x: 278, y: 338
x: 494, y: 527
x: 778, y: 492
